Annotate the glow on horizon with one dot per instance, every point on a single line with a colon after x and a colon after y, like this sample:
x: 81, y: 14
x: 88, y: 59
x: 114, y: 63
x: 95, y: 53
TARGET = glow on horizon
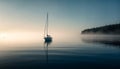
x: 16, y: 37
x: 13, y: 37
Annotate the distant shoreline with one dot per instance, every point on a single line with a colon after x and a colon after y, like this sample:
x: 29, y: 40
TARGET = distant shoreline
x: 113, y: 29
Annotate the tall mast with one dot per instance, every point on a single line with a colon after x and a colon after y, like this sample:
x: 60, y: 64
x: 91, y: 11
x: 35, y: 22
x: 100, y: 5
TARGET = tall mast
x: 47, y: 24
x: 46, y: 27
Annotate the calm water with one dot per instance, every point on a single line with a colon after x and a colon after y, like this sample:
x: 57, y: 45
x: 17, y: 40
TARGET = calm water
x: 86, y: 52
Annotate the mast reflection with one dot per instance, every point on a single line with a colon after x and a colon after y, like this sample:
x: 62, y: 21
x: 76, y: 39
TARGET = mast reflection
x: 46, y: 45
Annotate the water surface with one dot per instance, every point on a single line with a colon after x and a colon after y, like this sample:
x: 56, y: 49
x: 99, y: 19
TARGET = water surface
x: 88, y: 52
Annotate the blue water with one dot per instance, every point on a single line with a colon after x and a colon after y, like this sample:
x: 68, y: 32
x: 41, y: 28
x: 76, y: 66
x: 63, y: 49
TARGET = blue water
x: 61, y: 55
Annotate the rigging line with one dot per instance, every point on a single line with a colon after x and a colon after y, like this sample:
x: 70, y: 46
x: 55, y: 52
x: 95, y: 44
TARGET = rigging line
x: 46, y: 27
x: 45, y: 30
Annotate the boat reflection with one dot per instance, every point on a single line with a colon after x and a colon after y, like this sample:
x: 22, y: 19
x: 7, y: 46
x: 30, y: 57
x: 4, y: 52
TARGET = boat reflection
x: 46, y: 46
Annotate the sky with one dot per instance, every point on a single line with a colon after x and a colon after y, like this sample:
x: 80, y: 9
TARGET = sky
x: 66, y: 17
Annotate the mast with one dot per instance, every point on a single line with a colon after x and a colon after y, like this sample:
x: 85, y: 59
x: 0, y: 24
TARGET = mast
x: 46, y: 27
x: 47, y: 24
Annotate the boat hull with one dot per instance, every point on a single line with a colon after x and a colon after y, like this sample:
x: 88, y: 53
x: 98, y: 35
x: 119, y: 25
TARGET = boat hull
x: 48, y: 39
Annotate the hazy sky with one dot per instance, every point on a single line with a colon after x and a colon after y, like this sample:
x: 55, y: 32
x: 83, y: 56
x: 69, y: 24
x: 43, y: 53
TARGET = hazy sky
x: 65, y: 16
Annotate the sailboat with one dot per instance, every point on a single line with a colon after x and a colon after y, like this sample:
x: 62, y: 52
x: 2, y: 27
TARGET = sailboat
x: 47, y: 37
